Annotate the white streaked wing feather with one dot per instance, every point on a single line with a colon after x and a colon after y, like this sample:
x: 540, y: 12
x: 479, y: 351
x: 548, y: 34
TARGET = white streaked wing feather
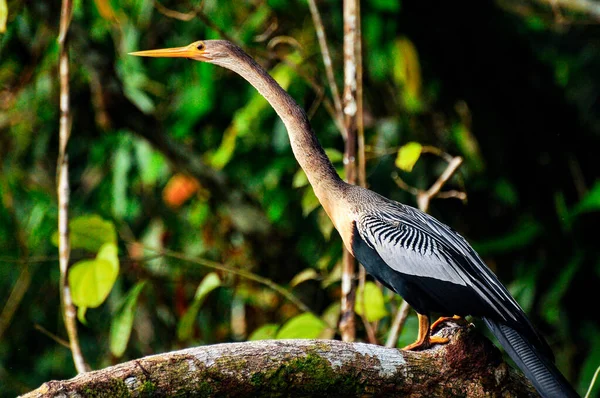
x: 412, y: 242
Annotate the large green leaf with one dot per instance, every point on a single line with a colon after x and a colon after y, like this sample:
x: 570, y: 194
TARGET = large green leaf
x: 122, y: 323
x: 186, y: 325
x: 374, y: 303
x: 90, y: 233
x: 303, y: 326
x: 92, y: 280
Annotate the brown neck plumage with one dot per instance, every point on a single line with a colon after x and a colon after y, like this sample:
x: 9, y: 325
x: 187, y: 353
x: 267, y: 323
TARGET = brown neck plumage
x: 305, y: 145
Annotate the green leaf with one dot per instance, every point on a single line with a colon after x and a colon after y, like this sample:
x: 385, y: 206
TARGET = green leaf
x: 324, y: 223
x: 591, y: 201
x: 304, y: 276
x: 374, y: 303
x: 309, y: 201
x: 334, y: 155
x: 468, y: 145
x: 554, y: 297
x: 265, y: 332
x: 406, y: 72
x: 386, y: 5
x: 92, y: 280
x: 90, y: 233
x: 331, y: 315
x: 303, y: 326
x: 81, y: 314
x: 140, y: 99
x: 122, y: 323
x: 409, y: 331
x: 524, y: 233
x: 300, y: 180
x: 3, y: 15
x: 186, y: 325
x: 408, y: 155
x: 121, y: 165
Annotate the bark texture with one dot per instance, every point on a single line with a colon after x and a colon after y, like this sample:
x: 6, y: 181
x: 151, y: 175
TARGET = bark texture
x: 469, y: 366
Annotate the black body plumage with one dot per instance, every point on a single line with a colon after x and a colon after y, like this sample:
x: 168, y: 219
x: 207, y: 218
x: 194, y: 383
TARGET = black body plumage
x: 436, y: 271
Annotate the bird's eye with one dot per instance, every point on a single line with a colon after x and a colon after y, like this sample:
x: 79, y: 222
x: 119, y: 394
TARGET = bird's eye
x: 200, y: 46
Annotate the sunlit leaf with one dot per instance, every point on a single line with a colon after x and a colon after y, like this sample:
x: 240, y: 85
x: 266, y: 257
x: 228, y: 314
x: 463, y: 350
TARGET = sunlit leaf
x: 265, y: 332
x: 374, y: 303
x: 303, y: 326
x: 186, y: 325
x: 408, y: 154
x: 303, y: 276
x: 92, y: 280
x: 3, y: 15
x: 122, y: 323
x: 89, y: 232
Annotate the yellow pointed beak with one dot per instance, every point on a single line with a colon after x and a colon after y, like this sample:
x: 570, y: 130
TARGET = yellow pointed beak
x: 176, y: 52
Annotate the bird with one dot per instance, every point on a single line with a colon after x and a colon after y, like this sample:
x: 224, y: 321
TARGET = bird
x: 413, y: 254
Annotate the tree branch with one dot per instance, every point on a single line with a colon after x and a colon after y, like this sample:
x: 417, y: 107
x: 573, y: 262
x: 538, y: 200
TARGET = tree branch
x: 468, y: 366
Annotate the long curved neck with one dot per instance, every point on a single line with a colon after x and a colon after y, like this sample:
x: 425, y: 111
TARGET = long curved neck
x: 305, y: 145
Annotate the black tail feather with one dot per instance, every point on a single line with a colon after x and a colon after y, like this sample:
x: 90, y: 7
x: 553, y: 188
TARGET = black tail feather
x: 536, y: 366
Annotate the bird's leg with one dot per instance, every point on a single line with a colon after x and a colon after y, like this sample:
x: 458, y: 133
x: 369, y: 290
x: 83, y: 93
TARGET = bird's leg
x: 425, y: 340
x: 443, y: 319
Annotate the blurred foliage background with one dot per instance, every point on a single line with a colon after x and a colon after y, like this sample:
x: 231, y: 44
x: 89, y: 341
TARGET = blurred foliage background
x: 183, y: 156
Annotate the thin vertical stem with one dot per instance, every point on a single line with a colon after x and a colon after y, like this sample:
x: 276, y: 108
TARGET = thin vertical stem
x: 322, y: 39
x: 64, y: 248
x: 347, y: 321
x: 362, y: 167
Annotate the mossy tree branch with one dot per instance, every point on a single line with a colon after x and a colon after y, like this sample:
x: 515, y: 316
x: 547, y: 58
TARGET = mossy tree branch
x: 468, y: 366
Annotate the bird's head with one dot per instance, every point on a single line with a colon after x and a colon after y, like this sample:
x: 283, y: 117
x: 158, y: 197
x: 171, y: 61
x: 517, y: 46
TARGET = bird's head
x: 220, y: 52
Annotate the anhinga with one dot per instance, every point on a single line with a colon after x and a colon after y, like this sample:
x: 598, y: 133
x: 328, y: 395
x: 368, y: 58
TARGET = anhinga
x: 426, y: 262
